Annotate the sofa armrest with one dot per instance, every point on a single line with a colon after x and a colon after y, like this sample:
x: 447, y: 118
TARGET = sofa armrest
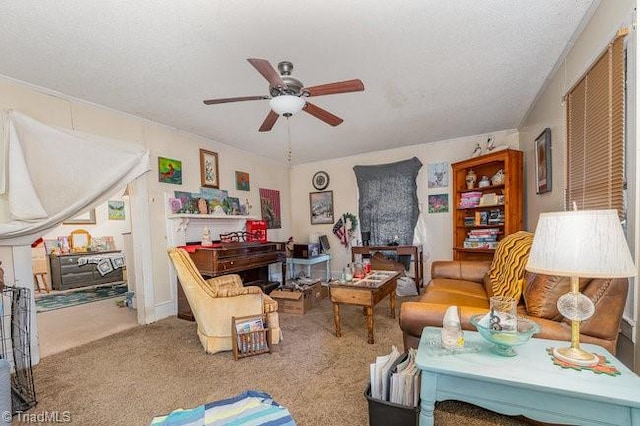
x: 468, y: 270
x: 414, y: 316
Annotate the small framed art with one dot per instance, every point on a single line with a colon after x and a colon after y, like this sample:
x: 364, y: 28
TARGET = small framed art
x: 242, y: 181
x: 438, y: 203
x: 116, y: 210
x: 169, y: 171
x: 438, y: 175
x: 543, y: 162
x: 209, y: 176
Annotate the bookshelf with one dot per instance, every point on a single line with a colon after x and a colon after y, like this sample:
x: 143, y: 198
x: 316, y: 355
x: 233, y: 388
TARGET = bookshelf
x: 482, y: 216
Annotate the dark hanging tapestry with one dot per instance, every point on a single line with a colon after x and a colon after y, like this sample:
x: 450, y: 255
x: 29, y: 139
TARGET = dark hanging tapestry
x: 388, y: 203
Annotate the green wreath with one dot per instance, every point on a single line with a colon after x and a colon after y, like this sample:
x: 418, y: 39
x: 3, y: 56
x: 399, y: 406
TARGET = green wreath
x: 353, y: 219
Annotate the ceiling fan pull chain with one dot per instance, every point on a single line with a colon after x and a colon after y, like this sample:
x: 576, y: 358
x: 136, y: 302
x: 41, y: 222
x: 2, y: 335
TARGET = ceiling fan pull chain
x: 290, y: 152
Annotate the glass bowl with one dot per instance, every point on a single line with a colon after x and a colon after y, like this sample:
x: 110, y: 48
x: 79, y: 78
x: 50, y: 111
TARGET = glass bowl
x: 503, y: 342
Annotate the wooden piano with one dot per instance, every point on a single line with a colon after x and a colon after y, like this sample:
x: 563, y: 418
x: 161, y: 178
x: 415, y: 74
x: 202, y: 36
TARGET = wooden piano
x: 250, y: 260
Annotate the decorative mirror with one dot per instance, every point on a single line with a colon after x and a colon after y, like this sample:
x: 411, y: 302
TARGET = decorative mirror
x: 79, y: 240
x: 320, y: 180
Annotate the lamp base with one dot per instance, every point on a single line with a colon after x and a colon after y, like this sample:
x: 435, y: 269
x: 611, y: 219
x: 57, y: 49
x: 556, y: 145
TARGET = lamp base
x: 576, y: 356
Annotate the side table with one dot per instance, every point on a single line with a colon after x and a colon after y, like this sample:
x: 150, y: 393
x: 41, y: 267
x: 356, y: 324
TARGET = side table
x: 323, y: 258
x: 528, y: 384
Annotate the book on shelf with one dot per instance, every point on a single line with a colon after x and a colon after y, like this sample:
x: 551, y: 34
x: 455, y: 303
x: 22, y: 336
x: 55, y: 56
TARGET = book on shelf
x: 480, y: 244
x: 481, y: 238
x: 481, y: 218
x: 484, y: 231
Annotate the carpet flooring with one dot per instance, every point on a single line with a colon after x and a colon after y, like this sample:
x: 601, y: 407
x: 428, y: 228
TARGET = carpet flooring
x: 129, y: 377
x: 50, y: 302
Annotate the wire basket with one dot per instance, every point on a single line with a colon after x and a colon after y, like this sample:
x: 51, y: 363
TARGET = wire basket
x: 15, y: 341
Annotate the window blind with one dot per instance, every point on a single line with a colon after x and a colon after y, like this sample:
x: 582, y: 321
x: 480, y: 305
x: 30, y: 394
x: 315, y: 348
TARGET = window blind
x: 595, y: 134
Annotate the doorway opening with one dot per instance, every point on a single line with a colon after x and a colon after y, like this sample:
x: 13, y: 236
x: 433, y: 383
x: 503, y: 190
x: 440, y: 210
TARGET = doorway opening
x: 84, y: 285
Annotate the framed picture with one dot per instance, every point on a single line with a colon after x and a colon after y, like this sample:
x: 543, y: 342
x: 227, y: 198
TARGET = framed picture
x: 116, y: 210
x: 209, y: 176
x: 543, y: 162
x: 438, y: 175
x: 86, y: 218
x: 438, y: 203
x: 169, y: 171
x: 270, y: 207
x: 321, y: 207
x: 242, y: 181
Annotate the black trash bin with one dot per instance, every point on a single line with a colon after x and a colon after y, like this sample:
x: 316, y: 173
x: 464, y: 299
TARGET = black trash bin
x: 384, y: 413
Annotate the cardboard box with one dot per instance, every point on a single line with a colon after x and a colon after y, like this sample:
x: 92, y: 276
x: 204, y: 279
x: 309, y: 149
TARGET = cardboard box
x: 296, y: 302
x: 307, y: 251
x: 257, y: 230
x: 323, y: 292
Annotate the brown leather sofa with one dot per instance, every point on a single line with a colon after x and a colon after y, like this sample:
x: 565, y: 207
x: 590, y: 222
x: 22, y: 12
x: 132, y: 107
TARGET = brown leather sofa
x: 466, y: 284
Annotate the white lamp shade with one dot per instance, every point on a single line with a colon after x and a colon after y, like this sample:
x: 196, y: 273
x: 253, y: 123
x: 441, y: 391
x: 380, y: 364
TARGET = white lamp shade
x: 585, y: 243
x: 286, y: 104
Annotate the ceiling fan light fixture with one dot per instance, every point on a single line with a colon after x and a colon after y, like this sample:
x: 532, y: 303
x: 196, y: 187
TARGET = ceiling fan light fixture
x: 286, y: 105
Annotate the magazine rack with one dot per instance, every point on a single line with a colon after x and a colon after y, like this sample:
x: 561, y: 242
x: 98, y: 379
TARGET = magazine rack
x: 250, y: 335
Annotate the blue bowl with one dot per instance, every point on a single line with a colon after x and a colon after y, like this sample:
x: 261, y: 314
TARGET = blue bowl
x: 504, y: 342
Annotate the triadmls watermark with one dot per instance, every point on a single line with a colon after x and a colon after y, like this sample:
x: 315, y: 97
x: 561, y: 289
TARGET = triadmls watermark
x: 39, y: 418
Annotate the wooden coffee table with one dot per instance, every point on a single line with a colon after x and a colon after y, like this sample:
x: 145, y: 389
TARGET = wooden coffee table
x: 365, y: 292
x: 528, y: 384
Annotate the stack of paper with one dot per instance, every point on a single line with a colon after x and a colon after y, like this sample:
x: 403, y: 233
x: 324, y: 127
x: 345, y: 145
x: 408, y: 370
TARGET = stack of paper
x: 396, y: 378
x: 380, y: 372
x: 405, y: 382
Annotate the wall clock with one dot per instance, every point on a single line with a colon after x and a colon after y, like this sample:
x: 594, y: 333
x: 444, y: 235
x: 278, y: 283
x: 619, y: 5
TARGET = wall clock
x: 320, y: 180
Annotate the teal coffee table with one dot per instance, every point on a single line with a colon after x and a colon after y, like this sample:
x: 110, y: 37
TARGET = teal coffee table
x: 528, y: 384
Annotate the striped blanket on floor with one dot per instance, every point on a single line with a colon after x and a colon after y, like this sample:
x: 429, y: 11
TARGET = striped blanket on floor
x: 251, y: 408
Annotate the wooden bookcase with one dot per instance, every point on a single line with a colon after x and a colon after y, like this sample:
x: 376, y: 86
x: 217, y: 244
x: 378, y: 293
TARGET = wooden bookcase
x: 505, y: 216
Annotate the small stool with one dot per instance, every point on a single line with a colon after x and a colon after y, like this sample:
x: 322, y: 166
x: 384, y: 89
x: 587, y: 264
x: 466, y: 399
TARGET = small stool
x: 40, y: 281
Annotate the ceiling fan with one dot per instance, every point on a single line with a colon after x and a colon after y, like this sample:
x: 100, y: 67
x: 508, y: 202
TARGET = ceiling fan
x: 286, y: 94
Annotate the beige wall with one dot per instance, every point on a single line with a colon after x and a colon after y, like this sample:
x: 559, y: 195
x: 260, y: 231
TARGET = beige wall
x: 439, y: 239
x: 57, y: 110
x: 548, y: 112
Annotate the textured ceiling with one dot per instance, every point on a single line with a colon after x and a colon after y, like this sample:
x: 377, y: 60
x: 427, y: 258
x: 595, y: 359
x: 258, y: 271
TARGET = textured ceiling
x: 432, y: 69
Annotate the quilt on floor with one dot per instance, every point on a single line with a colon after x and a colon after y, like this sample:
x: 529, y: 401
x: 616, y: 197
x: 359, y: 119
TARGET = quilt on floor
x: 250, y: 408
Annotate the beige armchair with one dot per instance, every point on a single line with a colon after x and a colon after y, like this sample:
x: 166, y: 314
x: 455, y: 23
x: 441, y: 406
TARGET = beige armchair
x: 215, y: 301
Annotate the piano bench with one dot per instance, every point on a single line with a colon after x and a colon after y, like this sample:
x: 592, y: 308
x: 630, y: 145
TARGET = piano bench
x: 266, y: 286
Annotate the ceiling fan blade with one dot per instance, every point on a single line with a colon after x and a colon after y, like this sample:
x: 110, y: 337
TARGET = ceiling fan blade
x: 268, y: 122
x: 322, y: 114
x: 241, y: 98
x: 337, y: 87
x: 264, y: 67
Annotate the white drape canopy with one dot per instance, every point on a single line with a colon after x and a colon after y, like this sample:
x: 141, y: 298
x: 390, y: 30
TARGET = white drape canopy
x: 49, y: 174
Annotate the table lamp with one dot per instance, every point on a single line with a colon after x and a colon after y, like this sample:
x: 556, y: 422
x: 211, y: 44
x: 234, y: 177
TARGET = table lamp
x: 585, y: 243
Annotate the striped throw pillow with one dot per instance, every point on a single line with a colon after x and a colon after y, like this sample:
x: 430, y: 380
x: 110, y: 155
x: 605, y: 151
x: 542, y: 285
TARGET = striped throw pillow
x: 507, y: 274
